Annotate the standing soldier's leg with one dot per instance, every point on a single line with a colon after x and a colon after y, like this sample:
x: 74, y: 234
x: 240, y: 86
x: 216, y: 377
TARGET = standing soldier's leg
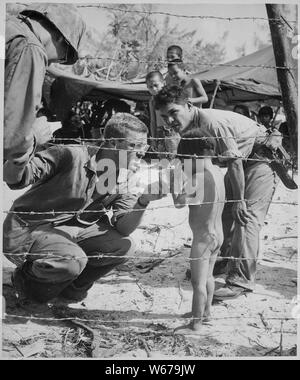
x: 228, y: 229
x: 260, y: 185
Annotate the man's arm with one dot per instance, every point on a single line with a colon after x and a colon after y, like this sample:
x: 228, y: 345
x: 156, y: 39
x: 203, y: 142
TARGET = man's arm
x: 24, y: 76
x: 13, y: 173
x: 40, y: 166
x: 129, y: 221
x: 14, y: 169
x: 237, y: 179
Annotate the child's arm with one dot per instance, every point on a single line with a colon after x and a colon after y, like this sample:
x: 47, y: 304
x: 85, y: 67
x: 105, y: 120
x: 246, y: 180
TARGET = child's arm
x: 199, y: 90
x: 192, y: 192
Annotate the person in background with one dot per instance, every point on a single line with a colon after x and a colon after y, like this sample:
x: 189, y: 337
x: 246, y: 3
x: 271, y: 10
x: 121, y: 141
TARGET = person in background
x: 86, y: 120
x: 165, y: 143
x: 265, y: 116
x: 155, y: 82
x: 281, y: 154
x: 242, y: 109
x: 192, y: 86
x: 174, y: 52
x: 71, y: 131
x: 96, y: 119
x: 103, y: 112
x: 286, y: 139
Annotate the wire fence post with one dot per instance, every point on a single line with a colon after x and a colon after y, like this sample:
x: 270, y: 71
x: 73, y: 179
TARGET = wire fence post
x: 283, y: 56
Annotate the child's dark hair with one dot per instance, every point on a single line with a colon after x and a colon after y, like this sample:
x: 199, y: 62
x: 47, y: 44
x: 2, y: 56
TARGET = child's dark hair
x: 176, y: 62
x: 195, y: 144
x: 176, y: 48
x: 153, y: 74
x: 170, y: 94
x: 266, y: 110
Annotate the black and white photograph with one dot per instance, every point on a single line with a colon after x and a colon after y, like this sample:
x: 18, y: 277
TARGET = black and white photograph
x: 149, y: 183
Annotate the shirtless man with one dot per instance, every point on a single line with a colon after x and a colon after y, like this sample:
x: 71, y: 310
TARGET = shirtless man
x: 192, y: 86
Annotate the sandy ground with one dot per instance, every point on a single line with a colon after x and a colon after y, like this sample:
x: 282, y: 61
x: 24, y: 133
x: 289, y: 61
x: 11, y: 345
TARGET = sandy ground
x: 133, y: 311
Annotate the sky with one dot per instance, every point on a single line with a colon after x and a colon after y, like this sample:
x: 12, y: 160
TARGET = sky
x: 238, y: 32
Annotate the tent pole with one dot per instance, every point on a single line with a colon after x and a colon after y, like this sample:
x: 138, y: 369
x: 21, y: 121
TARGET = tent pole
x: 275, y: 115
x: 217, y: 82
x: 283, y: 54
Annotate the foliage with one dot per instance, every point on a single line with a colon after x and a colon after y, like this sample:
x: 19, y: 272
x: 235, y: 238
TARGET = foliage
x: 137, y: 42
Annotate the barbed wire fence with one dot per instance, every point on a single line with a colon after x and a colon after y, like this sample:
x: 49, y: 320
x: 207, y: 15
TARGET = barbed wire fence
x: 202, y: 17
x: 157, y: 320
x: 137, y: 60
x: 157, y: 13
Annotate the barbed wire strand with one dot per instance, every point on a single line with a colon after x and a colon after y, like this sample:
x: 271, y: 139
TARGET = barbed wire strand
x: 124, y: 10
x: 107, y: 255
x: 165, y: 62
x: 194, y: 156
x: 100, y: 139
x: 79, y: 212
x: 186, y: 16
x: 140, y: 320
x: 59, y: 141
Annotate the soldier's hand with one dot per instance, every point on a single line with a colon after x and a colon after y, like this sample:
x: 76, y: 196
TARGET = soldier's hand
x: 41, y: 130
x: 134, y: 165
x: 240, y: 213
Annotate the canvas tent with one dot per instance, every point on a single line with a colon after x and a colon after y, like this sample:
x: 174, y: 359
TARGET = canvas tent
x: 246, y: 79
x: 68, y: 88
x: 240, y: 81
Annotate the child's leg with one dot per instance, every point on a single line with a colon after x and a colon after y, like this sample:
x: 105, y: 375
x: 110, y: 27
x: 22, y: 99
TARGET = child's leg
x: 218, y: 239
x: 203, y: 247
x: 199, y: 274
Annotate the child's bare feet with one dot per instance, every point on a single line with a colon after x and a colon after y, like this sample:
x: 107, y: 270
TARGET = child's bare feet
x: 193, y: 328
x: 207, y: 319
x: 184, y: 329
